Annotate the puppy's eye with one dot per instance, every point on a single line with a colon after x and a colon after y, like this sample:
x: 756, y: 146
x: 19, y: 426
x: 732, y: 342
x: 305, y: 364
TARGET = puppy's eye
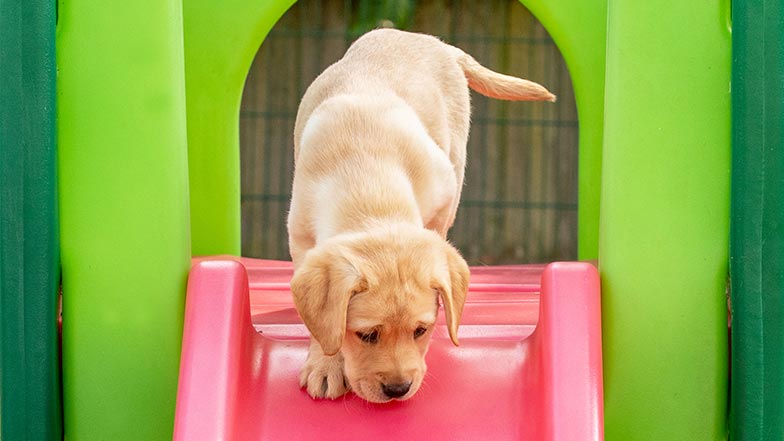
x: 369, y: 337
x: 420, y: 331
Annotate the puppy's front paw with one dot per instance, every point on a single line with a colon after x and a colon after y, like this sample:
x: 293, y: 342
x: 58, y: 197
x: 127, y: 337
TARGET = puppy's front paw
x: 322, y: 375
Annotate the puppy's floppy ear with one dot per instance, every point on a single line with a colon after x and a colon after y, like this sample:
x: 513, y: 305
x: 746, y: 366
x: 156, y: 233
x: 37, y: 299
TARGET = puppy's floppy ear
x: 452, y: 286
x: 322, y: 287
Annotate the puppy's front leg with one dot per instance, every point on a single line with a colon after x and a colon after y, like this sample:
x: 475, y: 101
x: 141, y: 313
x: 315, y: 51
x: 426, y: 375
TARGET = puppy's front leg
x: 323, y: 374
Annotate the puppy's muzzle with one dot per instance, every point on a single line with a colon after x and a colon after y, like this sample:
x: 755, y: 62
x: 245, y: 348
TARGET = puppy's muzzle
x: 396, y: 390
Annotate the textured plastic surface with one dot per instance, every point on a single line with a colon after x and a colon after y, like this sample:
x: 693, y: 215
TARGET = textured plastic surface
x: 664, y: 220
x: 511, y: 378
x: 124, y: 215
x: 757, y: 238
x: 29, y: 253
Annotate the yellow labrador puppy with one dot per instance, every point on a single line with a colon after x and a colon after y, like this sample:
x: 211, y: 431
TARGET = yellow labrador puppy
x: 380, y: 148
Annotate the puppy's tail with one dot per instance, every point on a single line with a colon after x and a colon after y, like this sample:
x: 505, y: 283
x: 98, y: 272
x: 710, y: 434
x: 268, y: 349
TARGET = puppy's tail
x: 495, y: 85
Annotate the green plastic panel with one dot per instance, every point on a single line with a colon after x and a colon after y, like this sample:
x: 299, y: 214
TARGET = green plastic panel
x: 124, y: 215
x: 665, y: 220
x: 221, y: 40
x: 757, y: 234
x: 216, y: 72
x: 29, y: 247
x: 578, y: 27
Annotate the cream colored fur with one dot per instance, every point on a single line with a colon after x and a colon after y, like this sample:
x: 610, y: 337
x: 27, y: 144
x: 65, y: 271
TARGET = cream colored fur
x: 380, y: 149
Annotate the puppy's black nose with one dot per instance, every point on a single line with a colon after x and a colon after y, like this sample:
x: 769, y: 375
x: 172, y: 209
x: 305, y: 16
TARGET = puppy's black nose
x: 396, y: 390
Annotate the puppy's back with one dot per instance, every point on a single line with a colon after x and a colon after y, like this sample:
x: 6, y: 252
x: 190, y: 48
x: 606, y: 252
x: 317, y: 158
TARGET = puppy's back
x: 420, y: 69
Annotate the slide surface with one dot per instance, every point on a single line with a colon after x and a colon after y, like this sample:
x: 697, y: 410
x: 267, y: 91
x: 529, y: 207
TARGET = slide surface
x: 526, y: 368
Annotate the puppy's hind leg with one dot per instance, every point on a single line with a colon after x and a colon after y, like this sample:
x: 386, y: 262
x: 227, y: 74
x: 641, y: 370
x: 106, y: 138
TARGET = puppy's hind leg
x: 322, y: 375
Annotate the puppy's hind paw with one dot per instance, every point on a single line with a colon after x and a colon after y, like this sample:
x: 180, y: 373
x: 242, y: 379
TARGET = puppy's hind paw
x: 323, y: 376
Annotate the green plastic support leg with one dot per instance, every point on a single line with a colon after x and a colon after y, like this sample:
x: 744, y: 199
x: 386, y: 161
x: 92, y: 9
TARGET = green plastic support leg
x: 29, y: 247
x: 578, y: 27
x: 124, y: 215
x: 221, y: 40
x: 757, y: 238
x: 664, y: 220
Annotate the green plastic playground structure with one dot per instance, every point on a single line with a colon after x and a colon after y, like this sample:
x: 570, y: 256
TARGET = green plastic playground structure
x: 29, y: 244
x: 757, y: 239
x: 124, y: 220
x: 147, y: 166
x: 665, y: 218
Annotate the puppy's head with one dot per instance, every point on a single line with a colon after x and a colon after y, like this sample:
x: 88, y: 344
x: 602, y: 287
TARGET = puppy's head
x: 374, y: 297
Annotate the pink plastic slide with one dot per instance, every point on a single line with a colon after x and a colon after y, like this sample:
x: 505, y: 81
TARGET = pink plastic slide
x: 529, y: 366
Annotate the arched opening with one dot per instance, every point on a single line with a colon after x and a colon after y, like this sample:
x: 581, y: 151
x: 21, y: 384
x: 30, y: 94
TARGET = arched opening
x: 519, y: 204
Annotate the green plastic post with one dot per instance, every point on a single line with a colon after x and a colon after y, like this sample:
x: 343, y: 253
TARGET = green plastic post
x: 29, y: 247
x: 664, y: 220
x: 221, y: 40
x: 757, y: 238
x: 578, y: 27
x: 124, y: 215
